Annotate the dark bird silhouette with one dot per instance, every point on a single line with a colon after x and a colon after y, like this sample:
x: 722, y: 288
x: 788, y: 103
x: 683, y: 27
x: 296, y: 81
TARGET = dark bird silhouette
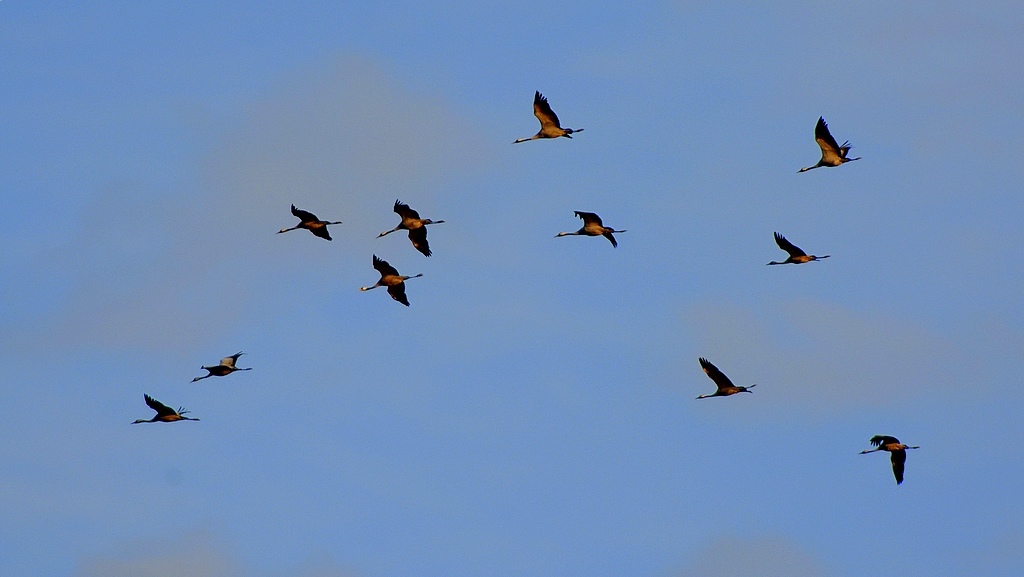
x: 310, y: 222
x: 725, y: 386
x: 164, y: 414
x: 796, y: 255
x: 549, y: 125
x: 416, y: 226
x: 831, y: 153
x: 592, y: 226
x: 897, y: 450
x: 390, y: 278
x: 226, y: 367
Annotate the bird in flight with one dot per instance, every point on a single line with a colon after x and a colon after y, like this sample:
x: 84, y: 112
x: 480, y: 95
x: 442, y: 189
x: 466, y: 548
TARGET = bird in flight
x: 226, y: 367
x: 416, y: 226
x: 549, y: 125
x: 725, y: 386
x: 831, y: 153
x: 164, y: 414
x: 390, y: 278
x: 796, y: 255
x: 310, y: 222
x: 592, y: 226
x: 896, y: 449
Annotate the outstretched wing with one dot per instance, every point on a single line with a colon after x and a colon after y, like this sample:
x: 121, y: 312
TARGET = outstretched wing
x: 161, y: 409
x: 589, y: 217
x: 611, y: 239
x: 542, y: 110
x: 418, y: 236
x: 793, y: 250
x: 899, y: 458
x: 716, y: 375
x: 825, y: 140
x: 230, y: 361
x: 303, y: 215
x: 397, y: 292
x: 405, y: 212
x: 879, y: 440
x: 383, y: 267
x: 322, y: 232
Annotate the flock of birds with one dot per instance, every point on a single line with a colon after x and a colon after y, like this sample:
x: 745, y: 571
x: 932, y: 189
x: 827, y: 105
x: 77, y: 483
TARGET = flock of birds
x: 832, y: 155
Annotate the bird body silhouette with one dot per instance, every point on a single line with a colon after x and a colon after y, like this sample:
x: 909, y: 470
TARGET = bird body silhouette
x: 796, y: 255
x: 390, y: 278
x: 831, y: 153
x: 897, y: 451
x: 226, y: 367
x: 725, y: 386
x: 310, y: 222
x: 164, y: 414
x: 416, y: 226
x: 592, y: 226
x: 549, y: 125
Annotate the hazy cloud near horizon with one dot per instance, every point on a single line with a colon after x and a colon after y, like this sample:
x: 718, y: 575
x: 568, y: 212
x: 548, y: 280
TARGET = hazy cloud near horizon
x: 756, y: 557
x: 196, y: 553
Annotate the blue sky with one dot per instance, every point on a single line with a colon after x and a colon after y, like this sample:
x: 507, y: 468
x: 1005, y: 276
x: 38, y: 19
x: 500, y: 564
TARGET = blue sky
x: 533, y: 411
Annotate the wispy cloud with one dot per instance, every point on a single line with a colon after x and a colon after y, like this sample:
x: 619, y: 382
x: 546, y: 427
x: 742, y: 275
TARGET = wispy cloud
x: 151, y: 268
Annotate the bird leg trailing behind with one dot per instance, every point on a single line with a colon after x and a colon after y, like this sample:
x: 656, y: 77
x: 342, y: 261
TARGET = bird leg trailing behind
x: 724, y: 384
x: 592, y: 226
x: 831, y: 153
x: 796, y: 254
x: 896, y: 450
x: 226, y: 367
x: 310, y: 222
x: 382, y: 282
x: 550, y: 127
x: 164, y: 414
x: 416, y: 226
x: 390, y: 278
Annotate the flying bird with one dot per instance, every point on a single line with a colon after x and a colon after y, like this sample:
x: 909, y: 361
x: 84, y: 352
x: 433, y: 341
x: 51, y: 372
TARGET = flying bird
x: 725, y: 386
x: 226, y: 367
x: 164, y: 414
x: 831, y: 153
x: 897, y: 450
x: 390, y: 278
x: 796, y: 255
x: 549, y: 125
x: 310, y: 222
x: 592, y: 226
x: 416, y: 226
